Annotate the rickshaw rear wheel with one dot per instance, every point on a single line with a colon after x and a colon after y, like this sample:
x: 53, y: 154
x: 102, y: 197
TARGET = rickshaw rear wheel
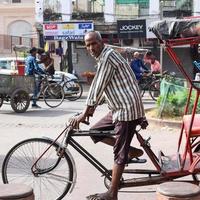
x: 20, y: 101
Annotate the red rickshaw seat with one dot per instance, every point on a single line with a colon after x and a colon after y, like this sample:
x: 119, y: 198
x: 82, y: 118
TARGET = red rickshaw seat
x: 195, y: 127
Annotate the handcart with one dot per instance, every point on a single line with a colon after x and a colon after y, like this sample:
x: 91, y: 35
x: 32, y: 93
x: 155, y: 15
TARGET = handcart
x: 16, y: 89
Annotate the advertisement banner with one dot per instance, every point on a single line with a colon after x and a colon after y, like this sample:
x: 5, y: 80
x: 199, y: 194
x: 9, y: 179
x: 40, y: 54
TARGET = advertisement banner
x: 71, y: 31
x: 149, y: 23
x: 128, y: 29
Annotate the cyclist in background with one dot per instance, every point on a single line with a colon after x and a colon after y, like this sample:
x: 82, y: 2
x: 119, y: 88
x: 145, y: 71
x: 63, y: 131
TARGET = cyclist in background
x: 138, y: 66
x: 33, y: 69
x: 155, y: 65
x: 150, y: 60
x: 147, y: 59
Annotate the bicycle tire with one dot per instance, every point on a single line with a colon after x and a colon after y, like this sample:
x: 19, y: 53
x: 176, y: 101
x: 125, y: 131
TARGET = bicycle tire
x: 20, y: 101
x: 73, y: 90
x: 53, y: 95
x: 141, y: 88
x: 154, y: 90
x: 51, y: 185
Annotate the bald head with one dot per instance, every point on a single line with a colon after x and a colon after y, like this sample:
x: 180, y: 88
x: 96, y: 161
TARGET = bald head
x: 94, y: 43
x: 136, y: 54
x: 93, y: 34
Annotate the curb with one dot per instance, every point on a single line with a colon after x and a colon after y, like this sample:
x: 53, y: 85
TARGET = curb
x: 163, y: 122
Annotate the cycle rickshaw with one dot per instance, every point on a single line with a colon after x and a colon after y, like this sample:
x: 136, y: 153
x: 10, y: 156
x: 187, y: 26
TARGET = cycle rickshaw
x: 44, y: 163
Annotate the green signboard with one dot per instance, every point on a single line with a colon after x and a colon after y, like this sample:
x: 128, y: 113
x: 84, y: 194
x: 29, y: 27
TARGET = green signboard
x: 140, y: 2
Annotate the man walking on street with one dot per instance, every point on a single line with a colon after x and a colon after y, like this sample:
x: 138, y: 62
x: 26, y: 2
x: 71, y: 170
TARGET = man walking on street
x: 33, y: 69
x: 116, y: 84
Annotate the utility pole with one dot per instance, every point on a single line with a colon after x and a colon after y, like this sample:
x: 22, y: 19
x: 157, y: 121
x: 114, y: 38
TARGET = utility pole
x: 39, y: 21
x: 66, y: 17
x: 161, y: 46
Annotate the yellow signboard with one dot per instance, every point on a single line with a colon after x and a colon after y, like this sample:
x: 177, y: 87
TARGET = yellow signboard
x: 68, y: 26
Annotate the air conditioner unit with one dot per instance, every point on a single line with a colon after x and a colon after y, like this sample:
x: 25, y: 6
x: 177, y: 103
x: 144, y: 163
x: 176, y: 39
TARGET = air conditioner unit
x: 127, y: 42
x: 170, y: 3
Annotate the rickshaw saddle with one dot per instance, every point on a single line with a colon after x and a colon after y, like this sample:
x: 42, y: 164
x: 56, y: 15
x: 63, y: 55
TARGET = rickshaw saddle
x: 195, y: 130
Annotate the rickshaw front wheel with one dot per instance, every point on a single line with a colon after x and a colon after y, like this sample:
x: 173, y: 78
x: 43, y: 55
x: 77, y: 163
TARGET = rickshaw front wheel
x: 20, y: 101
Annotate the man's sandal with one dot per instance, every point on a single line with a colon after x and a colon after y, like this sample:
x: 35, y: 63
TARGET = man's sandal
x: 92, y: 197
x: 96, y: 197
x: 136, y: 160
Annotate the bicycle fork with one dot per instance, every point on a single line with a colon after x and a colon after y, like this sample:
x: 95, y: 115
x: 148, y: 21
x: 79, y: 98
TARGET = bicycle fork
x: 36, y: 170
x: 62, y: 149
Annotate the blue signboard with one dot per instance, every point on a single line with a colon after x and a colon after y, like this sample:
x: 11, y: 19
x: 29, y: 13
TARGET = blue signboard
x: 85, y: 26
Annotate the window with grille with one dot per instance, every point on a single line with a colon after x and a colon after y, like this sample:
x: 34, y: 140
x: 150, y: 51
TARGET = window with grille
x: 16, y: 1
x: 139, y: 2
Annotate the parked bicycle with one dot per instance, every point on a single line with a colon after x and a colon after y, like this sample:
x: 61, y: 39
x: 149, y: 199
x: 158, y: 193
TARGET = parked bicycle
x: 151, y: 83
x: 72, y: 87
x: 51, y: 92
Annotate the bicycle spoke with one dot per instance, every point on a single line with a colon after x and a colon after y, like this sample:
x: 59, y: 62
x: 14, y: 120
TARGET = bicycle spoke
x: 58, y: 177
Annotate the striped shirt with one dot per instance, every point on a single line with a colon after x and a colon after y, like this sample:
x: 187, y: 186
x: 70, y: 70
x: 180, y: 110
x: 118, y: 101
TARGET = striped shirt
x: 116, y: 82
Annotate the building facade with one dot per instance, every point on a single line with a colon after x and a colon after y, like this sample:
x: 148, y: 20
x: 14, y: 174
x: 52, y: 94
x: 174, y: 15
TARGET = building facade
x: 150, y: 10
x: 17, y: 24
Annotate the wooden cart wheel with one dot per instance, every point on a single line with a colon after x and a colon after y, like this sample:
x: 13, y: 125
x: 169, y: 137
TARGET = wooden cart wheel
x: 1, y: 101
x: 20, y: 101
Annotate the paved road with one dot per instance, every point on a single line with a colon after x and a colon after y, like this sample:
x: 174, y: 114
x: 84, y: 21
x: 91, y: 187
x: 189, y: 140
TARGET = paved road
x: 49, y: 122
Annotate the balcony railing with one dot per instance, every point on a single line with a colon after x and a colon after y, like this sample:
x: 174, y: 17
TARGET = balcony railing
x: 16, y: 1
x: 88, y: 16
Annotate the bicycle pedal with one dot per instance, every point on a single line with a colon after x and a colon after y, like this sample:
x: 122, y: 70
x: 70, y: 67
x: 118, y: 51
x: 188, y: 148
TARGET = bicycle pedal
x: 137, y: 160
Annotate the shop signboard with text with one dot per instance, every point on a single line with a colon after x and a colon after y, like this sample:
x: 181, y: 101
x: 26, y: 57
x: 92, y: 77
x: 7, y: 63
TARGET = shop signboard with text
x: 128, y: 29
x: 70, y: 31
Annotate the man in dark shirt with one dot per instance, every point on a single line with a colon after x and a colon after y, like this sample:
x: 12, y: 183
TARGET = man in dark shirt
x: 138, y: 66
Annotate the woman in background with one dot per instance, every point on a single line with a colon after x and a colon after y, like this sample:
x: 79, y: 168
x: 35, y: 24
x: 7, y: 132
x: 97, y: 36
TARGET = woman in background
x: 155, y: 65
